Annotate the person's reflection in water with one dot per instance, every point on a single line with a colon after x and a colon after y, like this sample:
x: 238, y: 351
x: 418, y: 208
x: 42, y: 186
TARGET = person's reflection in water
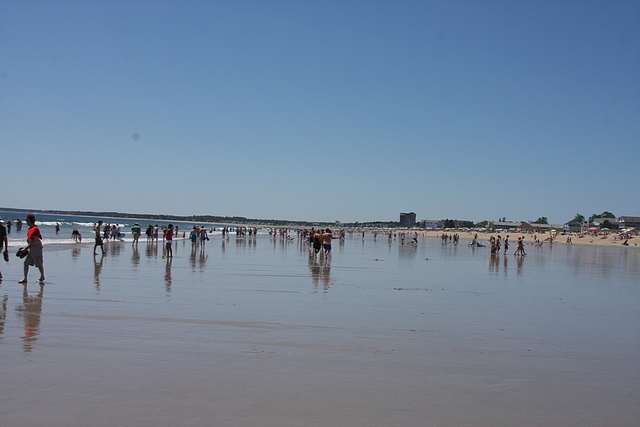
x: 135, y: 257
x: 30, y: 311
x: 167, y: 275
x: 519, y: 261
x: 3, y: 313
x: 97, y: 269
x: 326, y: 273
x: 494, y: 259
x: 193, y: 257
x: 152, y: 250
x: 114, y: 248
x: 202, y: 258
x: 75, y: 253
x: 505, y: 265
x: 315, y: 272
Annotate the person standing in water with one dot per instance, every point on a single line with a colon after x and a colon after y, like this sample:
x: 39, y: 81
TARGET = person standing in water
x: 169, y: 240
x: 136, y: 231
x: 98, y: 229
x: 4, y: 243
x: 326, y: 241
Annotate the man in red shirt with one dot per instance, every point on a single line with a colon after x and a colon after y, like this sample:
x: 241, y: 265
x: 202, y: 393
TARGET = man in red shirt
x: 34, y: 246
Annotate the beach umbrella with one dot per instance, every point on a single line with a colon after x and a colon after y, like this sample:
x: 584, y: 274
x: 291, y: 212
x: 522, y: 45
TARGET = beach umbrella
x: 605, y: 228
x: 553, y: 229
x: 592, y: 228
x: 630, y: 229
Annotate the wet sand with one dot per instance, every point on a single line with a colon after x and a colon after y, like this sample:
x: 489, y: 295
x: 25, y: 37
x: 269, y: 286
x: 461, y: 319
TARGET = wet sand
x: 255, y: 332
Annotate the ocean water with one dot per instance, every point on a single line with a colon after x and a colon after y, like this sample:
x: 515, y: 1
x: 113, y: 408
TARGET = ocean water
x: 246, y: 332
x: 47, y: 225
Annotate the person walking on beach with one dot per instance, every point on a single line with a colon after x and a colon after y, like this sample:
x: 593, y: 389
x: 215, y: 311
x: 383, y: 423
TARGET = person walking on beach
x: 203, y: 236
x: 520, y: 247
x: 4, y: 243
x: 193, y: 236
x: 506, y: 244
x: 169, y: 240
x: 326, y: 241
x: 34, y: 246
x: 99, y: 242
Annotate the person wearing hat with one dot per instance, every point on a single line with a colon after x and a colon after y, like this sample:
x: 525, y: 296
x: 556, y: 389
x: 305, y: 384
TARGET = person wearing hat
x: 136, y: 231
x: 34, y: 246
x: 4, y: 243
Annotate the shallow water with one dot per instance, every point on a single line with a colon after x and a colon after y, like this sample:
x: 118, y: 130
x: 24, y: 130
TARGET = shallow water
x: 255, y: 332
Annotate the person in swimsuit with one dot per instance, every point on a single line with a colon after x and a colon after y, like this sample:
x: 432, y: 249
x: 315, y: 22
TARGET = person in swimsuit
x: 317, y: 242
x: 326, y: 241
x: 169, y: 240
x: 98, y: 239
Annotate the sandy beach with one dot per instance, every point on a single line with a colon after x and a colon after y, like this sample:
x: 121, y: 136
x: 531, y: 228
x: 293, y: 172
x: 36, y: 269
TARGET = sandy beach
x: 608, y: 240
x: 251, y: 332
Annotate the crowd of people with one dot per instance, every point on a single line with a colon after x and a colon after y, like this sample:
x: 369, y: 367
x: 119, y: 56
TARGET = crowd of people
x: 319, y: 240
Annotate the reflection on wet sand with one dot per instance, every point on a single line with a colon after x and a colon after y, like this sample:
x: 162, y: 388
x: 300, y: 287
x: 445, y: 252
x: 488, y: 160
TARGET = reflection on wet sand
x: 97, y: 269
x: 167, y: 274
x: 151, y: 250
x: 198, y: 258
x: 494, y: 259
x: 519, y: 262
x: 135, y: 257
x: 3, y: 314
x: 75, y: 253
x: 320, y: 271
x: 30, y: 311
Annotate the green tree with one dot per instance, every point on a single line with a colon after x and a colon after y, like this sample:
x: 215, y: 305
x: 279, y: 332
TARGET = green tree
x: 605, y: 214
x: 541, y: 220
x: 578, y: 218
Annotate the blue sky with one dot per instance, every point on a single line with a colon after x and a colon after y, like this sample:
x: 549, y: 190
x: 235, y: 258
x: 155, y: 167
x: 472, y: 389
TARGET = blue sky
x: 322, y: 111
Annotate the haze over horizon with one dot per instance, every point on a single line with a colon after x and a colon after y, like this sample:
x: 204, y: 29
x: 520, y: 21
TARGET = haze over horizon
x: 322, y: 111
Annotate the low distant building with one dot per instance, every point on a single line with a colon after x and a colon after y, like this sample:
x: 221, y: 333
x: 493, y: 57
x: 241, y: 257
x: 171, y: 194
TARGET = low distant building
x: 463, y: 224
x: 429, y: 223
x: 522, y: 225
x: 408, y: 220
x: 629, y: 221
x: 600, y: 222
x: 503, y: 225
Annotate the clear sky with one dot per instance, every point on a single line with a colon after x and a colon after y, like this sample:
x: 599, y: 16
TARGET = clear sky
x: 322, y: 110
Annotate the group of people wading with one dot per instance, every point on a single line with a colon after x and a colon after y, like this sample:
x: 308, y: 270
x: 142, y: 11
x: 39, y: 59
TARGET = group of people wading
x: 496, y: 244
x: 320, y: 239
